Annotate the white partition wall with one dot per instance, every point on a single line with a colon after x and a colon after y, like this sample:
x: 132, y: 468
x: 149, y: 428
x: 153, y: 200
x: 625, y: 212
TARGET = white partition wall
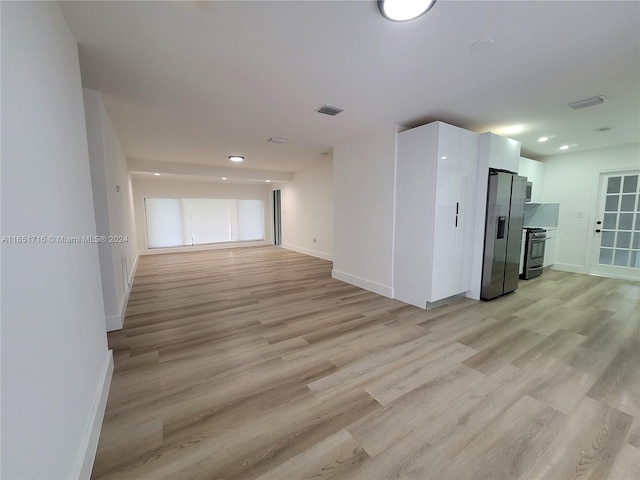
x: 363, y: 182
x: 307, y: 211
x: 56, y: 367
x: 113, y: 205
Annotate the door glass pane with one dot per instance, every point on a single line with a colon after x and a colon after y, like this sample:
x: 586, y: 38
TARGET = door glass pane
x: 626, y: 220
x: 623, y: 240
x: 606, y: 256
x: 619, y: 225
x: 611, y: 205
x: 610, y: 220
x: 621, y: 258
x: 607, y: 239
x: 630, y: 184
x: 628, y: 203
x: 613, y: 185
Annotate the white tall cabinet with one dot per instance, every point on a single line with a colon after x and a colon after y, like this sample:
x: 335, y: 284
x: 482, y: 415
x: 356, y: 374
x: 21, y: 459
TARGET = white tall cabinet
x: 434, y: 213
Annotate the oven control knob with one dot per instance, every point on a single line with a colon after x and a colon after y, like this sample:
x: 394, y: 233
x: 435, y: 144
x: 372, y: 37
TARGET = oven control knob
x: 599, y: 222
x: 598, y: 230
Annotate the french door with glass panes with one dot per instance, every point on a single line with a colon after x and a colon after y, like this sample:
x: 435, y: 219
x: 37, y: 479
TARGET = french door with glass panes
x: 616, y: 249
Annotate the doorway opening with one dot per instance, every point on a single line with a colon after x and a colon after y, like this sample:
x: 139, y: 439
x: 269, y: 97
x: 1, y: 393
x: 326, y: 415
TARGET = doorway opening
x: 277, y: 218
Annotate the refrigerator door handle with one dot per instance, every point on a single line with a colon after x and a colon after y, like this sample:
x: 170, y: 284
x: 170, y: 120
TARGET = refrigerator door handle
x: 502, y: 223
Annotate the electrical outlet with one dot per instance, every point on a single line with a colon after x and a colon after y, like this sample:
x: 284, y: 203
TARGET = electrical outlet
x: 578, y: 214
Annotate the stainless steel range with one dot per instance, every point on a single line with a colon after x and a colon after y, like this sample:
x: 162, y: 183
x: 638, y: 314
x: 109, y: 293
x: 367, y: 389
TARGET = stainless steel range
x: 534, y: 252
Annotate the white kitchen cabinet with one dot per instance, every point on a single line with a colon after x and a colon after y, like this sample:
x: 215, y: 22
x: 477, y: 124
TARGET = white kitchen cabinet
x: 434, y: 214
x: 550, y: 248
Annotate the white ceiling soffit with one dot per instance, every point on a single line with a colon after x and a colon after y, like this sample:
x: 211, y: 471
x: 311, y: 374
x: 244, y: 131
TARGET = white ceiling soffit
x: 194, y: 82
x: 214, y: 173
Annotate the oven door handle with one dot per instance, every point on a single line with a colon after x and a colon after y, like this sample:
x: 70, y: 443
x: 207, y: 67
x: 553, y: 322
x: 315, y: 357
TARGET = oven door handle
x: 535, y: 268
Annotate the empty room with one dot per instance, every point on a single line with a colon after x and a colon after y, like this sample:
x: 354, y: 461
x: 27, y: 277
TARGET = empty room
x: 359, y: 240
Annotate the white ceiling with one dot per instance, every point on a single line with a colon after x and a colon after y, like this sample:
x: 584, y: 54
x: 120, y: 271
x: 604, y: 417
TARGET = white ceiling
x: 194, y: 82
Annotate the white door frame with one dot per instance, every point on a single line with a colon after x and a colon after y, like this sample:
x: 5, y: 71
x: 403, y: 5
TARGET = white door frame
x: 597, y: 214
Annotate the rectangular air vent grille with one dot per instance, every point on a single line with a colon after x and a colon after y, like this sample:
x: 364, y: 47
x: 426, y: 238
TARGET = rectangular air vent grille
x: 330, y: 110
x: 587, y: 102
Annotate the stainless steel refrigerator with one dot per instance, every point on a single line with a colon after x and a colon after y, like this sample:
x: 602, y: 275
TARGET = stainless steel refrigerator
x: 503, y: 233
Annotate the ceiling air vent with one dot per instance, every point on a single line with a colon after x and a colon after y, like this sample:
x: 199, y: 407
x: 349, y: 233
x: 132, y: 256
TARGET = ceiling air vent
x: 587, y: 102
x: 330, y: 110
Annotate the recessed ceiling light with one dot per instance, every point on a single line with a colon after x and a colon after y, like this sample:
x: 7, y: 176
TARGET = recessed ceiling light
x: 157, y: 174
x: 543, y: 139
x: 484, y: 44
x: 403, y: 10
x: 236, y: 158
x: 564, y: 147
x: 223, y: 178
x: 268, y: 181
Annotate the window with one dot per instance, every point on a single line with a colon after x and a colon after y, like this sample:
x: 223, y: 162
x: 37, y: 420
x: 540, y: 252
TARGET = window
x: 174, y: 222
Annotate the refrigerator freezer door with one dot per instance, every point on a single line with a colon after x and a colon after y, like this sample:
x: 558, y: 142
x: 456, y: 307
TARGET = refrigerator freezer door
x: 496, y: 235
x: 514, y: 235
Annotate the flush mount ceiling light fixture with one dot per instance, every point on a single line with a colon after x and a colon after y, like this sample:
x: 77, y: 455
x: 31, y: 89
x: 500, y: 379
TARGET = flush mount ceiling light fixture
x: 587, y: 102
x: 236, y: 158
x: 277, y: 140
x: 404, y: 10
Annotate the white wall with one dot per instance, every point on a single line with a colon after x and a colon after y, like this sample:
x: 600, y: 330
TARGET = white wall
x: 572, y: 180
x: 363, y: 183
x: 155, y: 187
x: 307, y: 211
x: 55, y: 363
x: 113, y: 204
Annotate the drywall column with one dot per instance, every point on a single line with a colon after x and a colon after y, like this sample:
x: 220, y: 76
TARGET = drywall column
x: 56, y: 367
x: 113, y: 204
x: 363, y: 183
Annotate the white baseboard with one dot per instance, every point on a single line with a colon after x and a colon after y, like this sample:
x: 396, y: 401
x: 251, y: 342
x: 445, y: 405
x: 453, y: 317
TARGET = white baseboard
x: 132, y: 274
x: 200, y: 248
x: 374, y: 287
x: 87, y: 455
x: 306, y: 251
x: 116, y: 322
x: 568, y: 267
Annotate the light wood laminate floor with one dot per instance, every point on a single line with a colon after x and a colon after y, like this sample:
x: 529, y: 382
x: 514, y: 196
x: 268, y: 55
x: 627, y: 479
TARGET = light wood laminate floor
x: 255, y: 363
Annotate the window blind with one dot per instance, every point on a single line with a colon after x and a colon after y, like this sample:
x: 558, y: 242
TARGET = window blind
x: 164, y: 222
x: 175, y: 222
